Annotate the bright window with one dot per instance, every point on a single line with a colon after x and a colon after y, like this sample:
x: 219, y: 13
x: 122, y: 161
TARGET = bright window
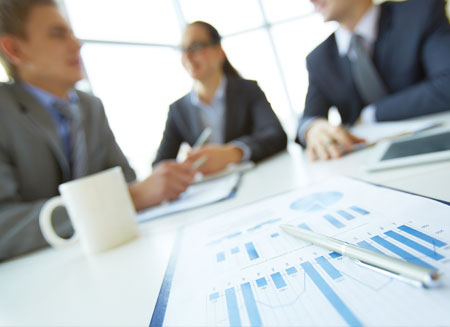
x: 294, y: 41
x: 286, y: 9
x: 136, y: 85
x: 229, y: 17
x: 150, y: 21
x: 258, y: 62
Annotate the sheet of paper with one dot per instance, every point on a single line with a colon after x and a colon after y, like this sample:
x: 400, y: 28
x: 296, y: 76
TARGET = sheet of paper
x: 240, y: 268
x: 231, y: 169
x: 376, y: 132
x: 196, y: 195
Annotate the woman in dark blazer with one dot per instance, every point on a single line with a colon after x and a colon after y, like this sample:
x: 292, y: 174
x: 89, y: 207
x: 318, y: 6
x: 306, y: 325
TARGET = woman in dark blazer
x: 243, y: 124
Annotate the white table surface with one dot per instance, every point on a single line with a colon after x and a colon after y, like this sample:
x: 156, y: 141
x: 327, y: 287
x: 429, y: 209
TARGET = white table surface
x: 63, y: 287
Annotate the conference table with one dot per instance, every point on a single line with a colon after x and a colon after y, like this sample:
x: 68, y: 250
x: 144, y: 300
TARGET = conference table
x: 64, y: 287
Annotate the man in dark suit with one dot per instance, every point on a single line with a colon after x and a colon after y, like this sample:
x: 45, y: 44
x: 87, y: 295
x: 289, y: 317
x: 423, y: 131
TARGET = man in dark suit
x: 50, y: 133
x: 384, y: 63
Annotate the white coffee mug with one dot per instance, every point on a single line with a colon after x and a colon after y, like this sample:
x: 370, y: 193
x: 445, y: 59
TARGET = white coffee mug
x: 100, y: 209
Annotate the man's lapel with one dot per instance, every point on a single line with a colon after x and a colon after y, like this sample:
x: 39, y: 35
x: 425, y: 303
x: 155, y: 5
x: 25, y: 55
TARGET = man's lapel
x: 44, y: 125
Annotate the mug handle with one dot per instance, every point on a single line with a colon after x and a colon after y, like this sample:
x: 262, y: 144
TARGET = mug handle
x: 45, y: 222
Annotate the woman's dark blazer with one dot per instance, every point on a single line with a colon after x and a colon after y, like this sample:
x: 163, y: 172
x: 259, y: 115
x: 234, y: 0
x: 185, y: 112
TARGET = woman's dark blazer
x: 249, y: 118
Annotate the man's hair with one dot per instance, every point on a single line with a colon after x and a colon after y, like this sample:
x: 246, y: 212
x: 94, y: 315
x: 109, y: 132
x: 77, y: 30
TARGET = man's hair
x: 13, y: 17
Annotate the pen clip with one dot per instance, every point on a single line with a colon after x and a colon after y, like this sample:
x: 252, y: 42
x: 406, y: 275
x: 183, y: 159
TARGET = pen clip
x: 391, y: 274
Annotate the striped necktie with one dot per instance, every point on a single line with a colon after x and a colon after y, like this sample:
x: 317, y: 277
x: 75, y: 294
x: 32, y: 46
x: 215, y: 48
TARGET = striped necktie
x: 78, y: 148
x: 367, y: 80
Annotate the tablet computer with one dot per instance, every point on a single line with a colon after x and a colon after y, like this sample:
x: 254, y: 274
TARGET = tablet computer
x: 417, y: 149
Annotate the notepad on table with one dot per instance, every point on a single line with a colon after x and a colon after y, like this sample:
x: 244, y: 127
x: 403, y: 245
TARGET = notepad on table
x: 231, y: 169
x: 195, y: 196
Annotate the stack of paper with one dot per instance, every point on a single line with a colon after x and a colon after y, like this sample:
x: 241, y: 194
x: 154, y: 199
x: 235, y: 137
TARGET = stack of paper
x: 373, y: 133
x: 231, y: 169
x: 195, y: 196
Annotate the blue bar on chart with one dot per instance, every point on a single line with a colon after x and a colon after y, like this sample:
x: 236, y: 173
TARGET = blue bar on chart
x: 261, y: 282
x: 291, y: 270
x: 328, y: 267
x: 345, y: 215
x: 422, y: 236
x: 335, y: 255
x: 278, y: 280
x: 336, y: 223
x: 250, y: 304
x: 304, y: 226
x: 233, y: 309
x: 234, y: 250
x: 220, y: 256
x: 368, y: 246
x: 275, y: 235
x: 414, y: 245
x: 252, y: 253
x: 214, y: 296
x: 400, y: 252
x: 331, y: 296
x: 359, y: 210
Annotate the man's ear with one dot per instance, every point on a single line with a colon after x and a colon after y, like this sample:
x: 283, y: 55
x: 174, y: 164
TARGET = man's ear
x: 10, y: 46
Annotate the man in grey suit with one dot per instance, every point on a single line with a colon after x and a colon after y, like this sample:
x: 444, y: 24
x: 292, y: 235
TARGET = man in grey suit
x: 42, y: 144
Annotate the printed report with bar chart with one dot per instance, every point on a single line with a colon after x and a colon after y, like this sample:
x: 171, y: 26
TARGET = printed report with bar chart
x: 240, y: 269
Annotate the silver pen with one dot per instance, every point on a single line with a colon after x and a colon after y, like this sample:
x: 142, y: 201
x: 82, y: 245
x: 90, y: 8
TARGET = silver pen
x: 199, y: 162
x: 425, y: 276
x: 202, y: 138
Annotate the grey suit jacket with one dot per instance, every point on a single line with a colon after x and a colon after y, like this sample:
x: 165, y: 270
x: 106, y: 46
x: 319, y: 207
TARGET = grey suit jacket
x: 33, y: 164
x: 249, y: 118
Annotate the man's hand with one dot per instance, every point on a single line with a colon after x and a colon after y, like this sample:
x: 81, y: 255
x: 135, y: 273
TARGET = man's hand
x: 324, y: 141
x: 166, y: 183
x: 218, y: 157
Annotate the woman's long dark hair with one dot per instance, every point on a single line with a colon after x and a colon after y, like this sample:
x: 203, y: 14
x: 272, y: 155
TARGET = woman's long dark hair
x: 216, y: 39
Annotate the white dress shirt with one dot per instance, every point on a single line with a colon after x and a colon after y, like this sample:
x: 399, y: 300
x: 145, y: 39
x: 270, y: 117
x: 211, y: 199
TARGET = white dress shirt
x: 213, y: 115
x: 367, y: 28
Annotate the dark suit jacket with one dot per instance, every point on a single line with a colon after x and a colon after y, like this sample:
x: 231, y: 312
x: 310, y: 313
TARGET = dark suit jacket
x: 249, y: 119
x: 412, y: 55
x: 33, y: 164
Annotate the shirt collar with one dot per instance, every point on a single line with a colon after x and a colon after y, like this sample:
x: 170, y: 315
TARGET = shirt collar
x: 218, y: 96
x: 367, y: 28
x: 48, y: 99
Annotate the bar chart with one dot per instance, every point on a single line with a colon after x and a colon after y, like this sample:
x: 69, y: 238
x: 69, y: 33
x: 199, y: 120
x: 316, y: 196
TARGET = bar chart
x: 267, y: 233
x: 404, y: 242
x: 322, y: 272
x: 246, y: 271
